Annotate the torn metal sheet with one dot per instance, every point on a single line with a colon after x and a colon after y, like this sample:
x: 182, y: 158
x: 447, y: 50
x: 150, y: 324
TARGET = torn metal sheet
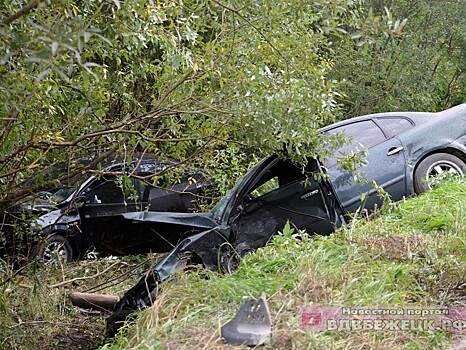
x: 252, y: 324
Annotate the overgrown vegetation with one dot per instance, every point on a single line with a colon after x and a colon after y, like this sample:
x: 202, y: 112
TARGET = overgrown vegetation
x: 220, y: 84
x: 208, y: 82
x: 35, y: 306
x: 203, y: 82
x: 420, y: 67
x: 411, y: 254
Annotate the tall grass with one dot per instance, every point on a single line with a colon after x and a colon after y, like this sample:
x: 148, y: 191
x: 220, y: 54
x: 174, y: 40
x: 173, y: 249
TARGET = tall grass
x: 35, y: 308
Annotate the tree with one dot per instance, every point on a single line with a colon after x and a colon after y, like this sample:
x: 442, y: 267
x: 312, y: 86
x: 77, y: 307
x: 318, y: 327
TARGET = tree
x: 200, y: 81
x: 421, y: 66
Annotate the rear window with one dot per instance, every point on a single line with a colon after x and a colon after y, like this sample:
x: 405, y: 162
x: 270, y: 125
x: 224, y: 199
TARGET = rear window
x: 396, y: 125
x: 365, y: 133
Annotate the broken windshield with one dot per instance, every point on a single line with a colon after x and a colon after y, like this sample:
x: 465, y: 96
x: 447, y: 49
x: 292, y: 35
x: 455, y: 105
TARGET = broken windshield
x: 219, y: 210
x: 224, y: 205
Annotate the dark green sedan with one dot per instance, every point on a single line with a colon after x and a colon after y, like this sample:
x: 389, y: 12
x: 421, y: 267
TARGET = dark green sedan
x: 406, y: 152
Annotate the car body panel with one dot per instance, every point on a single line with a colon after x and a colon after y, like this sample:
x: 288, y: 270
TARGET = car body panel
x: 149, y: 231
x: 388, y: 170
x: 202, y: 220
x: 250, y: 222
x: 417, y: 142
x: 447, y: 126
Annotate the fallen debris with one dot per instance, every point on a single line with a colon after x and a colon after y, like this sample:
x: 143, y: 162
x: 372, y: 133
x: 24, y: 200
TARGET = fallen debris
x: 94, y: 301
x: 251, y: 326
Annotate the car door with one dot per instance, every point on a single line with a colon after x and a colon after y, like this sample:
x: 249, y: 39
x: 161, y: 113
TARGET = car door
x: 104, y: 200
x: 385, y: 164
x: 181, y: 196
x: 279, y: 194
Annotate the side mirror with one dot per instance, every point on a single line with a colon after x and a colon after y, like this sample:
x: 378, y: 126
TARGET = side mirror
x: 250, y: 203
x: 78, y: 202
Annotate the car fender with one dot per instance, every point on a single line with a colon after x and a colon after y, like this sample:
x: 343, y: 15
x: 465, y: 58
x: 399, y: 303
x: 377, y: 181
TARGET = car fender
x: 460, y: 146
x: 415, y: 156
x: 56, y: 220
x: 202, y: 248
x: 449, y: 128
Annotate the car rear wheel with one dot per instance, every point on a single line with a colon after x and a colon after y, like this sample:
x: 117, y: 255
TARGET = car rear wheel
x: 435, y: 168
x: 54, y: 250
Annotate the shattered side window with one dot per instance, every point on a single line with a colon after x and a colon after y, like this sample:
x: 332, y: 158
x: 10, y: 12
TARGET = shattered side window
x: 267, y: 187
x: 279, y: 175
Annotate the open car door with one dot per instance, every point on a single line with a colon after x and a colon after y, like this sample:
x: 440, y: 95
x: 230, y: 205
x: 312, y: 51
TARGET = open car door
x: 281, y: 193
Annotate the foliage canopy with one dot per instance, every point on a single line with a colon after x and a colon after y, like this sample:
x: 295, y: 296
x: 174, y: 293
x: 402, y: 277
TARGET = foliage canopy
x: 210, y: 82
x: 188, y: 80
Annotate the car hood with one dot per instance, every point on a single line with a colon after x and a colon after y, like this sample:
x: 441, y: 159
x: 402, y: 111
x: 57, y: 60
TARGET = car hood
x: 36, y: 204
x: 54, y: 217
x: 202, y: 220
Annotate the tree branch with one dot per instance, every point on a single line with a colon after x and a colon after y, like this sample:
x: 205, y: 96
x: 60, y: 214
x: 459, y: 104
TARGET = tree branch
x: 83, y: 278
x: 22, y: 12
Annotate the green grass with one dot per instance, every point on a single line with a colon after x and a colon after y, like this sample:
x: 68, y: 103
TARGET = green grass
x: 411, y: 253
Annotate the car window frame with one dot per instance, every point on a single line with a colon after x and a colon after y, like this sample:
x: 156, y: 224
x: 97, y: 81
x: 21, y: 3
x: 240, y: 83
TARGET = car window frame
x: 98, y: 186
x: 98, y: 183
x: 361, y: 121
x: 379, y: 121
x: 327, y: 132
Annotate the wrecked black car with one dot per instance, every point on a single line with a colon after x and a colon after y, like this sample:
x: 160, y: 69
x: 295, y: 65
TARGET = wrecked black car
x: 406, y: 153
x: 67, y: 222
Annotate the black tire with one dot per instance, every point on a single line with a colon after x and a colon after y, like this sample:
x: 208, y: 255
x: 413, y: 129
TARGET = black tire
x: 54, y: 250
x: 436, y: 165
